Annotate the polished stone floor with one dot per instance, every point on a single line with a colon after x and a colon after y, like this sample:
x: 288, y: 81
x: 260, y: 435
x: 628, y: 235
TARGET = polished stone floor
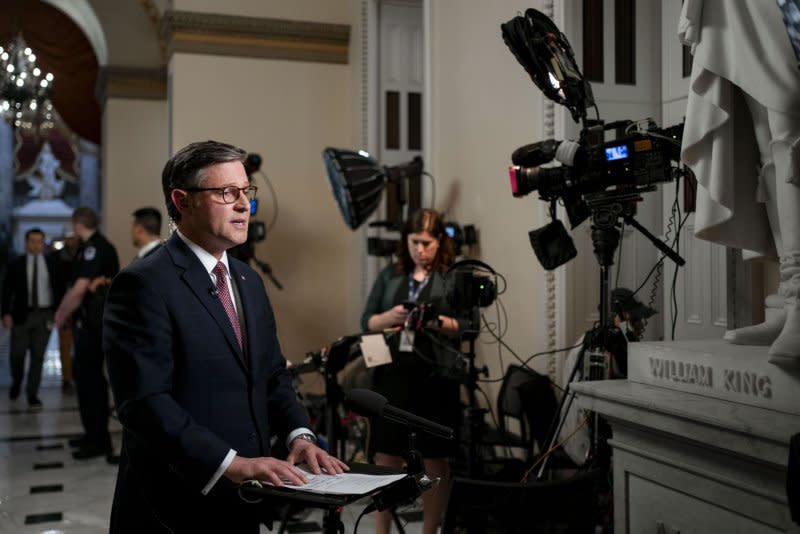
x: 43, y: 490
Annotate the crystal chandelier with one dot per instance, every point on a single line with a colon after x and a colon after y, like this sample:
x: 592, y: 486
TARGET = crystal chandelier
x: 24, y: 89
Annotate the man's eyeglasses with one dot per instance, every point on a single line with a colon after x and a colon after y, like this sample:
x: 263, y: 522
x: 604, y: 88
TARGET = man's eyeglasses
x: 229, y: 194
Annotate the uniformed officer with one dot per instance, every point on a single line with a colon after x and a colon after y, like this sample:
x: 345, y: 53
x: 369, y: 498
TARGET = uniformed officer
x: 97, y: 263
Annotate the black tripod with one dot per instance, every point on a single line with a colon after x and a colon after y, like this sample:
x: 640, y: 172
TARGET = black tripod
x: 329, y: 362
x: 607, y: 208
x: 475, y: 414
x: 246, y: 253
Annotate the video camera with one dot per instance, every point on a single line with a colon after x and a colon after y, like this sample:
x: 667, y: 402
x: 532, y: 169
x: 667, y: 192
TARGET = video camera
x: 385, y: 247
x: 640, y: 159
x: 603, y: 180
x: 634, y: 163
x: 256, y: 230
x: 461, y: 236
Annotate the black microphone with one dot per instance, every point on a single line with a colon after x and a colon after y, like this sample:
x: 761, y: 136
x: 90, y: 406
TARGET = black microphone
x: 367, y: 402
x: 535, y: 154
x: 212, y: 291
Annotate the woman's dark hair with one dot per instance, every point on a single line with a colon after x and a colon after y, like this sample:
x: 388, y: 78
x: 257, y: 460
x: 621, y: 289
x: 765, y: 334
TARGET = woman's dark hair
x: 425, y: 220
x: 185, y: 168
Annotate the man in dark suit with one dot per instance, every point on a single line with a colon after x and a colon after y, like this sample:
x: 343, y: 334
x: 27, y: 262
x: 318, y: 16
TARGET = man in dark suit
x: 197, y: 373
x: 146, y: 231
x: 32, y: 289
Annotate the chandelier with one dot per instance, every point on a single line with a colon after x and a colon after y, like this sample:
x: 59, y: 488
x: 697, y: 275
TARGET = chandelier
x: 24, y: 89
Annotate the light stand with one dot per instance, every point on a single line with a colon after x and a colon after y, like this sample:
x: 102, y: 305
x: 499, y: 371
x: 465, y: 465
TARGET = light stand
x: 329, y: 362
x: 339, y: 354
x: 607, y: 208
x: 246, y: 253
x: 475, y: 413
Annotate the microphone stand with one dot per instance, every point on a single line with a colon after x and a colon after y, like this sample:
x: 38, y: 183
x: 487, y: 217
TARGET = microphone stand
x: 475, y: 413
x: 417, y: 483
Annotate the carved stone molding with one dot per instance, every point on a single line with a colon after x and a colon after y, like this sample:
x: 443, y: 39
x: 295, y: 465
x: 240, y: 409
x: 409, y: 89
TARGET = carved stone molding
x: 228, y: 35
x: 551, y: 287
x: 153, y: 16
x: 131, y: 82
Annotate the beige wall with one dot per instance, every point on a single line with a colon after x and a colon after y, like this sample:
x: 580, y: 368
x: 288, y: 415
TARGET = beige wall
x: 287, y: 111
x: 134, y: 151
x: 483, y: 106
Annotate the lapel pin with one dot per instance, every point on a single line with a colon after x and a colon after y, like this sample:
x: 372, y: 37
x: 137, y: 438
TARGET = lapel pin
x: 243, y: 277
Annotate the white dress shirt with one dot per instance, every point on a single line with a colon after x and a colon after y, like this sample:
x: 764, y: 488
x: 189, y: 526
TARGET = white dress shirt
x: 45, y: 295
x: 147, y: 248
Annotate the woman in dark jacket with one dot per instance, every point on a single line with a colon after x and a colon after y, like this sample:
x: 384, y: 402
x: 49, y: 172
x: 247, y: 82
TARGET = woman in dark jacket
x: 420, y: 377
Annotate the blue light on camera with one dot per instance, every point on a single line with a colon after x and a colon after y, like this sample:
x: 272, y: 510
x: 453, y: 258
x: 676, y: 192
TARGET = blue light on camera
x: 253, y: 206
x: 451, y: 231
x: 614, y: 153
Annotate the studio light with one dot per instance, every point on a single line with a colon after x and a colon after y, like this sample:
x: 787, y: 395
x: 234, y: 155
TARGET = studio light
x: 24, y: 88
x: 357, y: 181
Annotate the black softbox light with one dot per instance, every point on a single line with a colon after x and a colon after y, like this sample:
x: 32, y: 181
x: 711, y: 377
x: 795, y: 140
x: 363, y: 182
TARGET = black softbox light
x: 357, y: 181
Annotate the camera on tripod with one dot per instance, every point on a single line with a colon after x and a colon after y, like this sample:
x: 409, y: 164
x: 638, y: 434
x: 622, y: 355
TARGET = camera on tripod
x: 472, y: 286
x: 387, y: 247
x: 602, y: 180
x: 256, y: 230
x: 640, y: 159
x: 597, y: 179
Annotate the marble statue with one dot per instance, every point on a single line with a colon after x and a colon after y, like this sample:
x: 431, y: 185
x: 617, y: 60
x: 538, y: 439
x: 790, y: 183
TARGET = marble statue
x: 47, y: 185
x: 742, y: 140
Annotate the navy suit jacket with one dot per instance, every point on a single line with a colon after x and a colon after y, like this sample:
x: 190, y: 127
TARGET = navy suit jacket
x: 15, y: 288
x: 186, y: 393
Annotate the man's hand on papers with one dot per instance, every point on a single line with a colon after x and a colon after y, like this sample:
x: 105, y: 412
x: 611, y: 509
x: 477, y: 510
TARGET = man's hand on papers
x: 273, y: 470
x: 315, y: 458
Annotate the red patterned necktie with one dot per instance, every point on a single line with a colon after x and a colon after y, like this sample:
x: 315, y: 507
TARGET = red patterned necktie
x: 225, y: 298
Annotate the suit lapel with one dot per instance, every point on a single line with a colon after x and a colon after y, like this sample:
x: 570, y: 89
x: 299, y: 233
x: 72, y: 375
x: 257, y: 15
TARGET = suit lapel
x: 199, y: 282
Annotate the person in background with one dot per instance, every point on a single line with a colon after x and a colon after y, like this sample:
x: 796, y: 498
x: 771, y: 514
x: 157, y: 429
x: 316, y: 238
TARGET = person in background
x: 32, y: 289
x: 66, y: 259
x: 630, y: 315
x: 97, y: 258
x: 415, y: 379
x: 146, y: 231
x: 200, y: 384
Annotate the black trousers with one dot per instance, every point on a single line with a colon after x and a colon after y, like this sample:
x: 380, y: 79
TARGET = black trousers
x: 92, y: 386
x: 31, y: 335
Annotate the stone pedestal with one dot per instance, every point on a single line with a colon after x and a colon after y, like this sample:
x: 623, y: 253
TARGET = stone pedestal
x: 700, y: 438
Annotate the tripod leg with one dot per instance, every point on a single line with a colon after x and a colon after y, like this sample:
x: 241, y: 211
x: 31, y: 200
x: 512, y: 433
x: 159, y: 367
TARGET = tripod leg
x: 285, y: 519
x: 562, y: 416
x: 397, y: 522
x: 332, y: 522
x: 561, y: 413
